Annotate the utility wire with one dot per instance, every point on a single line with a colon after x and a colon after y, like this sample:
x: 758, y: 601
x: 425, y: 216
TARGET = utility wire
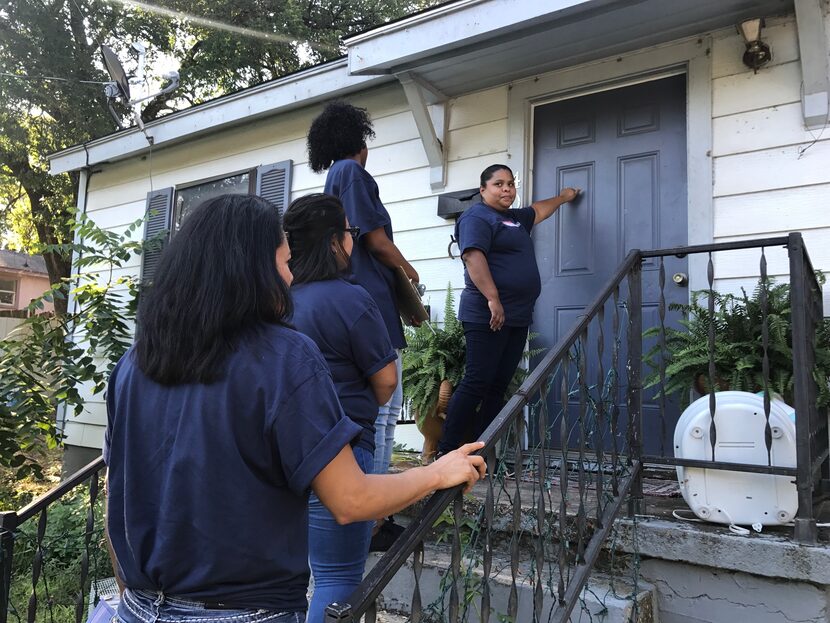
x: 30, y: 77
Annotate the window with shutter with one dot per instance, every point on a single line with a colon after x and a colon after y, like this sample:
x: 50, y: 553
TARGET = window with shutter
x: 273, y: 182
x: 156, y: 230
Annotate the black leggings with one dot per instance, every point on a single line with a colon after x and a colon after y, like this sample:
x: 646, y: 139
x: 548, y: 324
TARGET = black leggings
x: 492, y: 358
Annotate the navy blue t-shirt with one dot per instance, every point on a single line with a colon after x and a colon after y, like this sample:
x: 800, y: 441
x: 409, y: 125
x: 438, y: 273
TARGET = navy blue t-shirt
x: 358, y: 192
x: 504, y: 238
x: 345, y: 323
x: 208, y: 484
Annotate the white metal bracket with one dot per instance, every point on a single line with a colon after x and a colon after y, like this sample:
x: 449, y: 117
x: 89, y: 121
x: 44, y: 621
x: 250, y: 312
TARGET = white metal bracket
x: 428, y: 107
x: 812, y: 44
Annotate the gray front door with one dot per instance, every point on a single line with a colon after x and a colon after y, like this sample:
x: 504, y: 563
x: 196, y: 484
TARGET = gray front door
x: 626, y: 150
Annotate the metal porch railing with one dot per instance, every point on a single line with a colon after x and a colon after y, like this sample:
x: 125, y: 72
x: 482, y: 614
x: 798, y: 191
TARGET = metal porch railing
x: 583, y: 450
x: 10, y: 531
x: 565, y: 458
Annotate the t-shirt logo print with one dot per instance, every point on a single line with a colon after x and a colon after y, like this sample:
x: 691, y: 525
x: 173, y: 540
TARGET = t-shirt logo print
x: 510, y: 224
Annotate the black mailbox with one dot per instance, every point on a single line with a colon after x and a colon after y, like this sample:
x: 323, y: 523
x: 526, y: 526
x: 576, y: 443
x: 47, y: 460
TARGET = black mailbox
x: 451, y: 205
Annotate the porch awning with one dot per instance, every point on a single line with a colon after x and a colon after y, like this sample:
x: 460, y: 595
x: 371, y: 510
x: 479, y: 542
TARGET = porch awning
x: 465, y: 46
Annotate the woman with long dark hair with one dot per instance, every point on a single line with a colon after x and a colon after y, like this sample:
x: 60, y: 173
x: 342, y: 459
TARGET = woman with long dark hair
x: 501, y: 285
x: 221, y: 420
x: 346, y: 325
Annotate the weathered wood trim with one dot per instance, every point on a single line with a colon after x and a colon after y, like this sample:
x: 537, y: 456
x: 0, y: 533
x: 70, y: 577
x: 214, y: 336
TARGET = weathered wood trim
x: 812, y: 45
x: 432, y: 129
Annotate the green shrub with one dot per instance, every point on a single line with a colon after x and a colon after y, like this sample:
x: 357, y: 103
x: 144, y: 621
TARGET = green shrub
x: 62, y: 547
x: 738, y: 354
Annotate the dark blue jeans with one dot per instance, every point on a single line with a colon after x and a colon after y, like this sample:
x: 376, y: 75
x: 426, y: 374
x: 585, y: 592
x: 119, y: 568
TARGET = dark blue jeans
x: 492, y: 358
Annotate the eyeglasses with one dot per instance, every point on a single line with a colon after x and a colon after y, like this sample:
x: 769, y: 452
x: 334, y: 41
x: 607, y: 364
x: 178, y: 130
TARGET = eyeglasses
x: 354, y: 231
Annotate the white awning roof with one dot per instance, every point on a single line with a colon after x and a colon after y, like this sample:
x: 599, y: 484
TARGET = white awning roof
x: 471, y: 45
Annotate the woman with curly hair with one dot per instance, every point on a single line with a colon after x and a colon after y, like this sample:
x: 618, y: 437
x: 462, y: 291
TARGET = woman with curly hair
x: 337, y: 143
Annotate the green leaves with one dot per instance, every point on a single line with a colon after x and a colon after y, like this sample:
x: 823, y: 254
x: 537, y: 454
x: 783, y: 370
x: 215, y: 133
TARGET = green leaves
x: 52, y: 361
x: 738, y: 353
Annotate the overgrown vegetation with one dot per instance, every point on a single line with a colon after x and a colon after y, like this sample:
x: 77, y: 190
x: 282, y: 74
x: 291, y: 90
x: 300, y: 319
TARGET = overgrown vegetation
x: 50, y: 365
x: 739, y: 350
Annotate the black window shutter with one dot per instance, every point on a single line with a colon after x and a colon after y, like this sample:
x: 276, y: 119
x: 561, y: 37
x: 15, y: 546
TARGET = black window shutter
x: 156, y: 229
x: 273, y: 182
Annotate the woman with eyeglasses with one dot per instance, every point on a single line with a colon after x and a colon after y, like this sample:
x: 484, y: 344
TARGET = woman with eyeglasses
x: 346, y: 325
x: 221, y: 419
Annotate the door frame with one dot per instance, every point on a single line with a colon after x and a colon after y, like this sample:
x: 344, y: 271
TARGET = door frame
x: 691, y: 57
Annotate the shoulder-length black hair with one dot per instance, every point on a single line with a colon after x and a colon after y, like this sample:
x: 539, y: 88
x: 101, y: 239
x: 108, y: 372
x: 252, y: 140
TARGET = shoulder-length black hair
x: 216, y: 281
x: 339, y: 132
x: 311, y: 222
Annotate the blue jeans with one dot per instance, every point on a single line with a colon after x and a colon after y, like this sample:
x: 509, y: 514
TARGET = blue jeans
x: 492, y: 358
x: 147, y: 607
x: 337, y: 554
x: 385, y: 423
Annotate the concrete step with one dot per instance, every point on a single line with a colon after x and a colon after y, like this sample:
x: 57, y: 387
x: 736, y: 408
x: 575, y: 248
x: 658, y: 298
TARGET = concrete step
x: 605, y: 599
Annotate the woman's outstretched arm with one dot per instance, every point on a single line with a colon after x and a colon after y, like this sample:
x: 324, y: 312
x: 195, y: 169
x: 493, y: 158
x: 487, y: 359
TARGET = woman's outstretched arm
x: 352, y: 496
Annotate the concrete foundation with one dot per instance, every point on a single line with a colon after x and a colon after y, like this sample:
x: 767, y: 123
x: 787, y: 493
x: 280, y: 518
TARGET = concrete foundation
x: 693, y: 594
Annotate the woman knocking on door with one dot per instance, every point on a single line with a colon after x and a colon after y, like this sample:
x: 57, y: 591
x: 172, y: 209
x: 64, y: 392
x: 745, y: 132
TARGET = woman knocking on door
x: 501, y: 285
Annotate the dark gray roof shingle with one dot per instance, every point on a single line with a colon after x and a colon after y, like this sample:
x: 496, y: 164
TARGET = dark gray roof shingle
x: 21, y: 261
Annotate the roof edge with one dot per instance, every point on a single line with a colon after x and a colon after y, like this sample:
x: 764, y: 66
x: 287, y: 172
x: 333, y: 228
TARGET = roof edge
x: 289, y: 92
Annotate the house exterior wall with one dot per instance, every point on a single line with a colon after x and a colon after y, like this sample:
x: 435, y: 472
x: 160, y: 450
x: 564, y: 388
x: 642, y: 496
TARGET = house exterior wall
x: 760, y: 186
x: 29, y: 286
x: 769, y: 177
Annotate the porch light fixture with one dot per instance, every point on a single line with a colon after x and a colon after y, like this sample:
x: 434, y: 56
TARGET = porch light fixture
x: 757, y: 52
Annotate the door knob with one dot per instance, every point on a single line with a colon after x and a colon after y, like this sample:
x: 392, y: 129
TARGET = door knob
x: 680, y: 279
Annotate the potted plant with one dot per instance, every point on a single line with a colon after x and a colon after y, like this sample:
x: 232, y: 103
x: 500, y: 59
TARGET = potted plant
x: 432, y: 365
x: 738, y: 353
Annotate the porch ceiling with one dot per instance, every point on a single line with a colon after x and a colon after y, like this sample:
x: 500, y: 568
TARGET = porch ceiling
x: 475, y: 44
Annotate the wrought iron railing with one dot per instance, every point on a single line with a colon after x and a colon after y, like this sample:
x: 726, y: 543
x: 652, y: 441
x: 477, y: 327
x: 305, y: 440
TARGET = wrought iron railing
x: 567, y: 451
x: 12, y: 527
x: 564, y: 456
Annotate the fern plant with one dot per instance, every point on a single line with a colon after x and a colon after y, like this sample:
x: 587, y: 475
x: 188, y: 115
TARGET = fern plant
x: 739, y: 351
x: 432, y: 355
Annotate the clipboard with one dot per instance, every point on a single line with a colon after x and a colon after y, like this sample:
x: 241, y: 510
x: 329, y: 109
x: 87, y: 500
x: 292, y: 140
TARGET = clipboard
x: 408, y: 300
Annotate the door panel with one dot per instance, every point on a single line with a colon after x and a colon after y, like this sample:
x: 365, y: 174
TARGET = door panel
x: 626, y: 150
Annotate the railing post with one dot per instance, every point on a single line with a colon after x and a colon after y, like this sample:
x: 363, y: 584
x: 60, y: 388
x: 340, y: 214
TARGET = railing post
x: 8, y: 524
x: 634, y: 370
x: 806, y: 530
x: 338, y: 613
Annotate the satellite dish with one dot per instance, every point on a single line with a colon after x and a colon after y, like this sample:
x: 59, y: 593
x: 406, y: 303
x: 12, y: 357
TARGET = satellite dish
x: 120, y: 85
x: 116, y: 71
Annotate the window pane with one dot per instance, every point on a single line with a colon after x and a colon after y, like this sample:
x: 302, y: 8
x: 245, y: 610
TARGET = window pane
x: 7, y: 285
x: 189, y: 198
x: 6, y: 298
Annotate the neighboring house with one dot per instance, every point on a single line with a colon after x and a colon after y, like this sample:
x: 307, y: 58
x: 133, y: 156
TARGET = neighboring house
x: 22, y: 278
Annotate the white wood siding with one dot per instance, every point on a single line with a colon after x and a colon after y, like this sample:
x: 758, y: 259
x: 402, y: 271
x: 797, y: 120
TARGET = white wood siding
x: 771, y: 175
